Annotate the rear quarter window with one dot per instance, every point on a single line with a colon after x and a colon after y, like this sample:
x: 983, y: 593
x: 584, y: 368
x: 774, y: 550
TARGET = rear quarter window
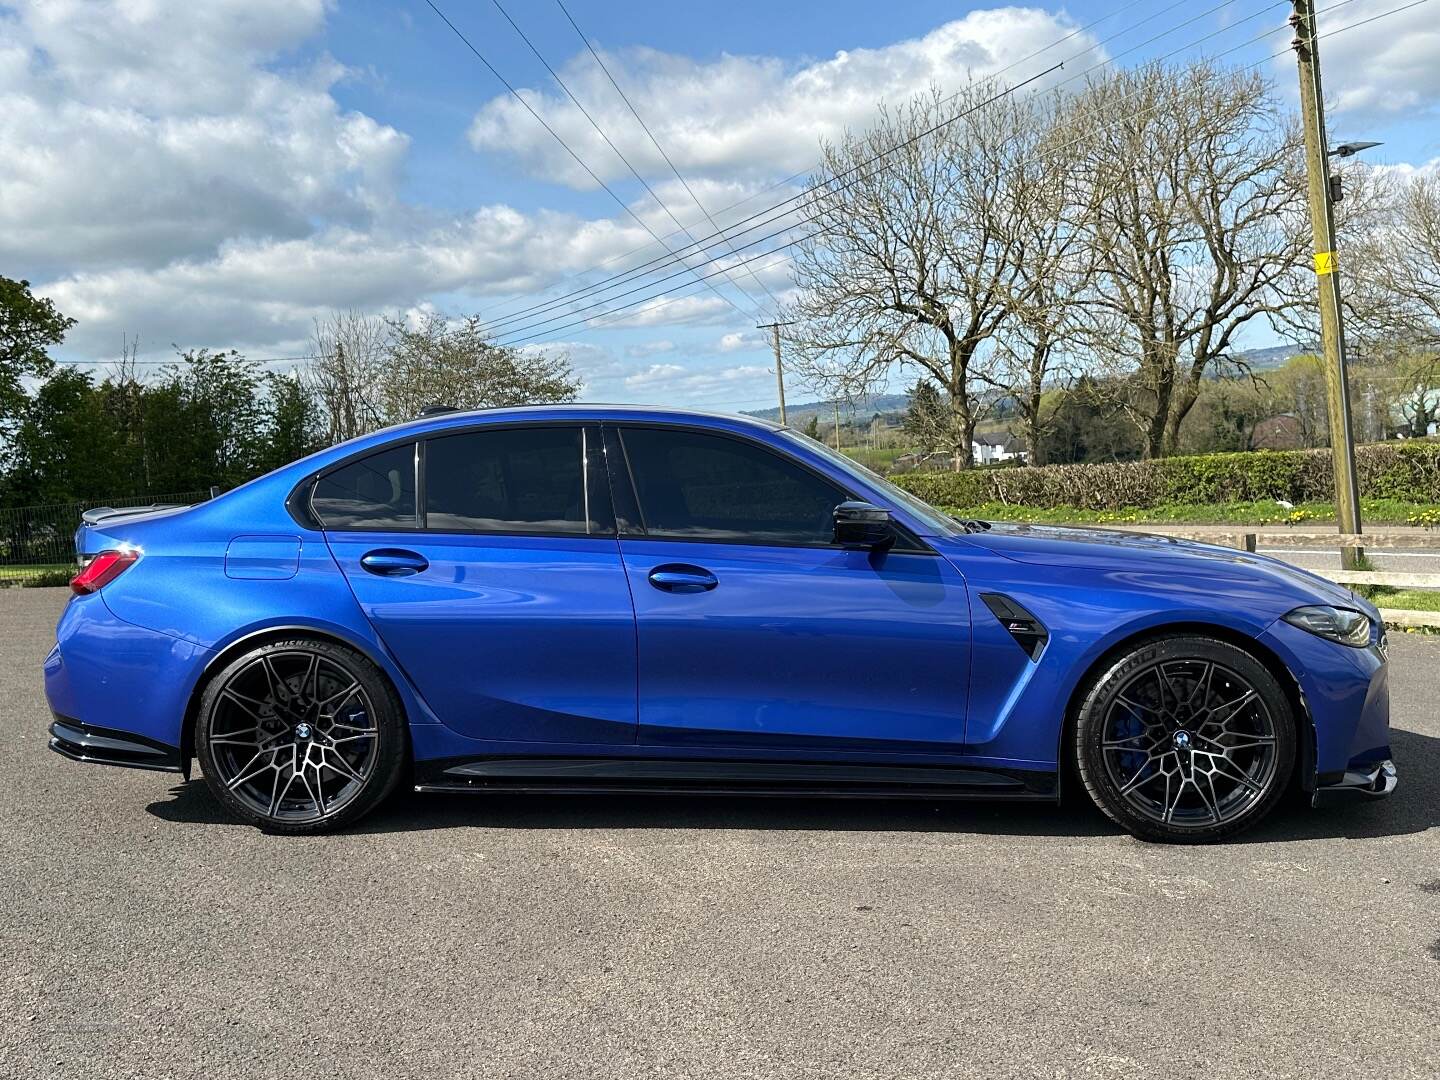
x: 373, y: 492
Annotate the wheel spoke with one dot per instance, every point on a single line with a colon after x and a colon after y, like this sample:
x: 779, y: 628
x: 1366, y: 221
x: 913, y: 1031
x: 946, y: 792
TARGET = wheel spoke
x: 334, y: 701
x: 1125, y: 741
x: 251, y: 707
x: 1232, y: 707
x: 1219, y: 763
x: 312, y: 676
x: 329, y: 759
x: 1168, y: 803
x: 351, y: 738
x: 1140, y: 779
x: 1213, y: 803
x: 314, y: 792
x: 231, y: 739
x: 1202, y: 687
x: 247, y: 773
x: 278, y: 797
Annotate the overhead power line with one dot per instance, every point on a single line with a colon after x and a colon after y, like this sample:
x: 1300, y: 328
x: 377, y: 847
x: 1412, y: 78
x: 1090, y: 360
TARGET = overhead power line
x: 554, y: 134
x: 512, y: 341
x: 656, y: 143
x: 1114, y: 121
x: 769, y: 214
x: 811, y: 170
x: 718, y: 237
x: 611, y: 143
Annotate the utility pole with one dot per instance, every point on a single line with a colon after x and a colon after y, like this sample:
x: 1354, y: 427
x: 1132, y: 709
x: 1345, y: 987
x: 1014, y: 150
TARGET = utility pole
x: 774, y: 328
x: 1332, y: 328
x: 836, y: 403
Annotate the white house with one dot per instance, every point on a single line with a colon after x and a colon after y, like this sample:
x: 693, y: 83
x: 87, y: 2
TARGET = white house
x: 990, y: 449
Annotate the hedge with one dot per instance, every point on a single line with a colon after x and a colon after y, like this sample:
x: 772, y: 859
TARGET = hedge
x: 1407, y: 470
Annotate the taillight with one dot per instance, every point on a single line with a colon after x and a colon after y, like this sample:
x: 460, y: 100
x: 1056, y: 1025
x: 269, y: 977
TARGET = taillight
x: 101, y: 570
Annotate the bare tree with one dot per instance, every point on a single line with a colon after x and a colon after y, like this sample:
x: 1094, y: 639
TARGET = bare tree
x: 1046, y: 198
x: 1197, y: 228
x: 349, y: 353
x: 433, y: 361
x: 914, y: 262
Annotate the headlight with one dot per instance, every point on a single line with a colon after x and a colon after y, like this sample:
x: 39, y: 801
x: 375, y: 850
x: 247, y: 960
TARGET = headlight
x: 1338, y: 624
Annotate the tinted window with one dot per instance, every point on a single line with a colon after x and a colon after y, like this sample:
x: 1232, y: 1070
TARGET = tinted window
x: 711, y: 487
x: 373, y: 492
x: 525, y: 480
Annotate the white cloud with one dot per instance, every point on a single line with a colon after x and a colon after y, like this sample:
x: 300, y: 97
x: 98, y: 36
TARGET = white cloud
x: 672, y: 311
x: 675, y: 379
x: 740, y: 341
x: 740, y: 115
x: 254, y: 292
x: 138, y: 132
x: 650, y: 348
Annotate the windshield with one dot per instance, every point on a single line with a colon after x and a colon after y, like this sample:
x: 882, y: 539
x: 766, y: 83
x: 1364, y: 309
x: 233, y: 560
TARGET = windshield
x: 943, y: 524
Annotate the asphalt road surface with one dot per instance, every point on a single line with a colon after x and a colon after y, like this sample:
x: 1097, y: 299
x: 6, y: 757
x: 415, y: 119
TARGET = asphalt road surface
x: 144, y: 935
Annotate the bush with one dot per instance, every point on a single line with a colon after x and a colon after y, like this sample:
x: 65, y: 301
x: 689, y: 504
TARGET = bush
x: 1407, y: 470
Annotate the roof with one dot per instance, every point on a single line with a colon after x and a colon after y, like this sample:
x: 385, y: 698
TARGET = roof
x: 1006, y: 441
x: 581, y: 411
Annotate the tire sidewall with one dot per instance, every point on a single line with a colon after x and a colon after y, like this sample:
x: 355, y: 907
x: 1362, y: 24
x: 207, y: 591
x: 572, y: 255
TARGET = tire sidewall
x: 1090, y: 724
x: 392, y: 734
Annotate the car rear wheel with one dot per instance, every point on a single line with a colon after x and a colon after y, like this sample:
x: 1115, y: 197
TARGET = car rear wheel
x: 300, y: 736
x: 1185, y: 739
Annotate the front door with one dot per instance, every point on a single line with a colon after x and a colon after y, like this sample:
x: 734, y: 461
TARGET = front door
x: 499, y: 590
x: 755, y: 630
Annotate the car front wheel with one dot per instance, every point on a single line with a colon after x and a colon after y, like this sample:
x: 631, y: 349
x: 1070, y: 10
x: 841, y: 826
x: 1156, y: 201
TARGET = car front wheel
x: 300, y: 736
x: 1185, y: 739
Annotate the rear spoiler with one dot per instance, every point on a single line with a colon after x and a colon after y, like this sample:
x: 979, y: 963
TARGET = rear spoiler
x: 103, y: 513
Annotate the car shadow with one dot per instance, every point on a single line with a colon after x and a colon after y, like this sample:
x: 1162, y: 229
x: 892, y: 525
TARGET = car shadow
x: 1413, y: 808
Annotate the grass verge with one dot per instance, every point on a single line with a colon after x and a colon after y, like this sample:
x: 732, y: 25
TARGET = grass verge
x: 1264, y: 512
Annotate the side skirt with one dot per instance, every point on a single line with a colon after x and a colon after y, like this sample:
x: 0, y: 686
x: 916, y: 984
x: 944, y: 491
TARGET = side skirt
x: 701, y: 777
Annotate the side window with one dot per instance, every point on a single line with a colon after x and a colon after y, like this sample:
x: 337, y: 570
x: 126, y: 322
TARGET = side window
x: 709, y: 487
x: 373, y: 492
x: 515, y: 480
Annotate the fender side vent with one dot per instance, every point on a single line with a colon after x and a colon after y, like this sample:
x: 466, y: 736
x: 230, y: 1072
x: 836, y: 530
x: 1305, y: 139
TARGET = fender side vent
x: 1028, y: 631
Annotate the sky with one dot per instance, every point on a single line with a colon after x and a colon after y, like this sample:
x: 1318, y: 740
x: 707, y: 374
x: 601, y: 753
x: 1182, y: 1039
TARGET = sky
x: 220, y: 174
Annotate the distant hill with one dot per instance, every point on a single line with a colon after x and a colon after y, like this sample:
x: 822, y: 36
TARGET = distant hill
x: 860, y: 408
x: 1269, y: 359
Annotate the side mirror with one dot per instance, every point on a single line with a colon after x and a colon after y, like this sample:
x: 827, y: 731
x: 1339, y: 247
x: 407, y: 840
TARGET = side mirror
x: 863, y: 525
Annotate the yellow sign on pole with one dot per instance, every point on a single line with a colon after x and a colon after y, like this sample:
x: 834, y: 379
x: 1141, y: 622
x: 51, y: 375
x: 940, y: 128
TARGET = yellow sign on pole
x: 1324, y: 262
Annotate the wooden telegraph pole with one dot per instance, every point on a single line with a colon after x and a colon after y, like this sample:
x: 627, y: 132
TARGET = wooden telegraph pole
x: 1332, y: 328
x: 774, y: 329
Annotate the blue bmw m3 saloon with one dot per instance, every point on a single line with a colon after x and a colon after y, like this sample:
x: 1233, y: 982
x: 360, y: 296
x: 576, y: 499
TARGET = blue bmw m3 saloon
x: 606, y: 598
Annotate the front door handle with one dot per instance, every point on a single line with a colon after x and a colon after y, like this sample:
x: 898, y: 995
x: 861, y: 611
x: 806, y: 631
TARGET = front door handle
x: 393, y: 562
x: 682, y: 578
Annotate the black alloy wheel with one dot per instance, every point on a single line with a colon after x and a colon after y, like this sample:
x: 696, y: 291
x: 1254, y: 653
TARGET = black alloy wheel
x: 1185, y: 739
x: 300, y: 736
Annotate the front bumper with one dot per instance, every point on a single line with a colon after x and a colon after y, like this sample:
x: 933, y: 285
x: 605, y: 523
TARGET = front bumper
x: 105, y: 746
x: 1374, y: 781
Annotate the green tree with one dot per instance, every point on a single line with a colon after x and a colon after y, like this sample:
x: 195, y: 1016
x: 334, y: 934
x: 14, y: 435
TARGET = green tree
x: 61, y: 449
x: 29, y: 325
x: 436, y: 362
x: 205, y: 423
x: 294, y: 421
x: 812, y: 427
x: 926, y: 417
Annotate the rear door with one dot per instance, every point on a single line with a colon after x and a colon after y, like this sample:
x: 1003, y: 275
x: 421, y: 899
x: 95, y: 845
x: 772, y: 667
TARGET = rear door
x: 755, y: 630
x: 488, y: 563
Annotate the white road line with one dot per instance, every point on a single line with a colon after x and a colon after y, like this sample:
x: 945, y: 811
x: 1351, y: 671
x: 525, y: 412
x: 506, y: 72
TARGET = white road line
x: 1376, y: 553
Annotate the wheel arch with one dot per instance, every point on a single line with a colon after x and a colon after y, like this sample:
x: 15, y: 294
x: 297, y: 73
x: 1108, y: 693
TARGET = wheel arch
x: 1304, y: 771
x: 263, y: 636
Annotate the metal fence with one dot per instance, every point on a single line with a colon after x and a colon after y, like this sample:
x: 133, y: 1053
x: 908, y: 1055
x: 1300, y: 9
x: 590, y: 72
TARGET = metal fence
x: 37, y: 543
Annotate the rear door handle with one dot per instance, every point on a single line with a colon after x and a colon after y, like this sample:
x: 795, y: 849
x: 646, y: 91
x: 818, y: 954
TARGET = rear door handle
x: 682, y: 578
x: 393, y: 562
